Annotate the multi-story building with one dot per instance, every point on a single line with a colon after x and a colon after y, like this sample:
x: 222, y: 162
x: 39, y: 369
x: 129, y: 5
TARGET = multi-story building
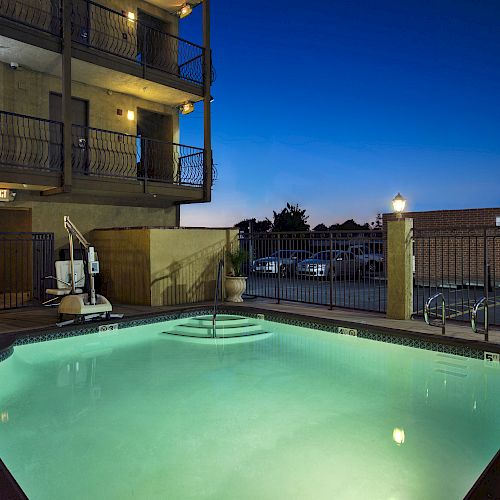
x: 90, y: 98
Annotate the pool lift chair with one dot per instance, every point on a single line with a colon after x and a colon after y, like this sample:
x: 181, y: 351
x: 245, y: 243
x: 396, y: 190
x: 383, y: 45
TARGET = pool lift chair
x: 83, y: 306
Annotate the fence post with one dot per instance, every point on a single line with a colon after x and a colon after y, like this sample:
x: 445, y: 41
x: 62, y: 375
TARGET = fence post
x: 330, y: 274
x: 399, y: 269
x: 278, y: 292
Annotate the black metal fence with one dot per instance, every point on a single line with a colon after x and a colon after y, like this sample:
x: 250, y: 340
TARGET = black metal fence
x: 25, y: 260
x: 28, y: 142
x: 111, y: 154
x: 44, y: 15
x: 463, y: 265
x: 113, y: 32
x: 334, y: 269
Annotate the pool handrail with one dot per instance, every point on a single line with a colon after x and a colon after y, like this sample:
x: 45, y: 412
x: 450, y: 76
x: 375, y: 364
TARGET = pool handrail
x: 427, y: 310
x: 483, y: 301
x: 218, y: 286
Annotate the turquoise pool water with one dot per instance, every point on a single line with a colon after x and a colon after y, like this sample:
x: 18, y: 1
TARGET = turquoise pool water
x: 300, y: 414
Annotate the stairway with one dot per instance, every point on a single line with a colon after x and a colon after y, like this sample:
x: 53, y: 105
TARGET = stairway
x: 227, y: 326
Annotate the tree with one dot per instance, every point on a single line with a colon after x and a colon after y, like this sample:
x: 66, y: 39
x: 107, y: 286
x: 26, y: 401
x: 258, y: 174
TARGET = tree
x: 377, y: 224
x: 349, y: 225
x: 292, y: 218
x: 321, y: 228
x: 258, y: 226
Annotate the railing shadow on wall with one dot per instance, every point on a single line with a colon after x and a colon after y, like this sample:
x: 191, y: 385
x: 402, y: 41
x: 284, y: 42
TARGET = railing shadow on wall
x: 188, y: 280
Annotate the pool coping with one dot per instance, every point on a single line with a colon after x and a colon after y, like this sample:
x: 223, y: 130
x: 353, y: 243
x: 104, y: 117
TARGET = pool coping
x: 421, y: 340
x: 485, y: 485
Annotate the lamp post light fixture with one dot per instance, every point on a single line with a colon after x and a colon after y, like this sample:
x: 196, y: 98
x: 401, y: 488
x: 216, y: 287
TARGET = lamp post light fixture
x: 399, y: 204
x: 185, y: 10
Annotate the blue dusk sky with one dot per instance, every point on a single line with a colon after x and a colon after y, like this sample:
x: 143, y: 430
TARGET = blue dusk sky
x: 339, y: 104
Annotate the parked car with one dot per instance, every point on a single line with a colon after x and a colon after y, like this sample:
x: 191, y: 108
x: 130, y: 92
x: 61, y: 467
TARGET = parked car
x: 370, y: 257
x: 285, y: 261
x: 341, y: 264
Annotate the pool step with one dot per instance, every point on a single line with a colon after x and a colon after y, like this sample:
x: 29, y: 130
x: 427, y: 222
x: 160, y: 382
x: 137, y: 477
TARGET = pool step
x: 227, y: 326
x: 222, y: 320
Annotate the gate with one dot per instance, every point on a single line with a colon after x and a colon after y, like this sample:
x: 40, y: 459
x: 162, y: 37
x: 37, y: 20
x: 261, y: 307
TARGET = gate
x: 25, y: 260
x: 335, y: 269
x: 463, y: 265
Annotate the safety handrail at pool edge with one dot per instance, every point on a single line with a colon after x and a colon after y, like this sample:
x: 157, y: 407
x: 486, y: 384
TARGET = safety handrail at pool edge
x: 473, y: 321
x: 427, y: 311
x: 218, y: 286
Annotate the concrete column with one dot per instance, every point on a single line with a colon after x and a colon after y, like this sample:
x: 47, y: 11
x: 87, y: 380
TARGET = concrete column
x: 66, y: 96
x: 207, y: 115
x: 399, y: 269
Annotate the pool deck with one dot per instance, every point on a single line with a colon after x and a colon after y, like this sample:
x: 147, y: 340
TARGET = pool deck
x: 43, y: 318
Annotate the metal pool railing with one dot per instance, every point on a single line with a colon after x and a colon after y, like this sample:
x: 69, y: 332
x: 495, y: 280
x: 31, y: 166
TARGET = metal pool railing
x: 335, y: 269
x: 461, y: 264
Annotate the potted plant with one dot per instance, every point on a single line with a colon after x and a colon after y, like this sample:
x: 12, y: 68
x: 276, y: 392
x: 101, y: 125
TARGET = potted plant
x: 236, y: 284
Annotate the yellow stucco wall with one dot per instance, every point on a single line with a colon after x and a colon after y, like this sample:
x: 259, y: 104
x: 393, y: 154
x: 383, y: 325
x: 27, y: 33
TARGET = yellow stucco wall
x: 180, y: 265
x: 48, y: 217
x: 27, y: 92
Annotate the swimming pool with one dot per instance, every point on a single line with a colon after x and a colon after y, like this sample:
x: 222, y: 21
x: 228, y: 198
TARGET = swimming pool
x: 296, y: 413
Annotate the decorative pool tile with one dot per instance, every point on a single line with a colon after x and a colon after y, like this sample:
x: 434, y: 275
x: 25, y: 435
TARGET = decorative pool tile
x: 322, y: 324
x: 6, y: 353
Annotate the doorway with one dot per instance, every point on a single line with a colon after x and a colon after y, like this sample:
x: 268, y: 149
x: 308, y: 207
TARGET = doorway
x: 155, y: 47
x: 155, y: 160
x: 79, y: 130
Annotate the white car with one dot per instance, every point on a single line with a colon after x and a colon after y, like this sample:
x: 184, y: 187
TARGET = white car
x: 340, y: 264
x: 284, y: 260
x: 370, y: 257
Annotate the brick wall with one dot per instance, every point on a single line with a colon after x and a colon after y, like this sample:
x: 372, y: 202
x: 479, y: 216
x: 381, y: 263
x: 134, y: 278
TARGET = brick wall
x: 449, y: 247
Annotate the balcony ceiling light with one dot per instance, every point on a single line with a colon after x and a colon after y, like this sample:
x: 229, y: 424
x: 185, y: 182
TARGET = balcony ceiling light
x: 185, y: 10
x: 131, y: 16
x: 186, y: 108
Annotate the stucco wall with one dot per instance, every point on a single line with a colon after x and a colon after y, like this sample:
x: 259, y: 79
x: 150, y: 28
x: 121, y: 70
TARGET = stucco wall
x: 48, y: 217
x: 27, y: 92
x: 180, y: 265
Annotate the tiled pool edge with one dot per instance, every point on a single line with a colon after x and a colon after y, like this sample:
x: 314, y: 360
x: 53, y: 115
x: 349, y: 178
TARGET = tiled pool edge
x: 419, y: 340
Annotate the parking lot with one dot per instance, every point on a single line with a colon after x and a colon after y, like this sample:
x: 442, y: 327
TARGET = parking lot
x: 368, y: 293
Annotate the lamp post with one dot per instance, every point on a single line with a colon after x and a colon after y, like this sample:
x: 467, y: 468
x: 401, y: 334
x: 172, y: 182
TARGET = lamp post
x: 399, y: 204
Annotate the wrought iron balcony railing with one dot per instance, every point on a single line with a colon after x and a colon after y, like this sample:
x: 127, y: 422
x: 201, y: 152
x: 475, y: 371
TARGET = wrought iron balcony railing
x: 35, y: 144
x: 44, y: 15
x: 104, y: 153
x: 30, y: 143
x: 107, y: 30
x: 99, y: 27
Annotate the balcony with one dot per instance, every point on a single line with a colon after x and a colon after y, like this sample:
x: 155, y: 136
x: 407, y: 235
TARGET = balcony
x: 31, y: 155
x: 107, y: 38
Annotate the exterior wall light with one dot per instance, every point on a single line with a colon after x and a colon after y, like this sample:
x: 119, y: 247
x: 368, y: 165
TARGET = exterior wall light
x: 186, y: 108
x: 185, y: 10
x: 398, y: 204
x: 130, y: 115
x: 131, y: 16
